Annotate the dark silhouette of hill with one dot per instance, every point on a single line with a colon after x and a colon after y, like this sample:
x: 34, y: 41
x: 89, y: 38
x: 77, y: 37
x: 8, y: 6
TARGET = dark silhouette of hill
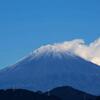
x: 21, y: 94
x: 98, y: 98
x: 68, y: 93
x: 60, y: 93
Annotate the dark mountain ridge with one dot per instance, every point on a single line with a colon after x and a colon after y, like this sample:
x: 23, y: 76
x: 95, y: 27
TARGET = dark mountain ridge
x: 22, y: 94
x: 69, y: 93
x: 60, y: 93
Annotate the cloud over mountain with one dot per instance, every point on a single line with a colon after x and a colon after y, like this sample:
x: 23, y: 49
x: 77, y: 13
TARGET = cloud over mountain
x: 90, y: 52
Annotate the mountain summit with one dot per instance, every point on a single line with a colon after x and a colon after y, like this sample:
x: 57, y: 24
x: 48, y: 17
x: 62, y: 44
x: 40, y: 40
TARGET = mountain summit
x: 49, y: 67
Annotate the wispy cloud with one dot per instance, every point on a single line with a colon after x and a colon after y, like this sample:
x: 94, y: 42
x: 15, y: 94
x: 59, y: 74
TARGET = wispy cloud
x: 89, y: 52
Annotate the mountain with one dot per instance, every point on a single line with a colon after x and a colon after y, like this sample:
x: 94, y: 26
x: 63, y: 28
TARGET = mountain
x: 49, y: 67
x: 21, y: 94
x: 69, y: 93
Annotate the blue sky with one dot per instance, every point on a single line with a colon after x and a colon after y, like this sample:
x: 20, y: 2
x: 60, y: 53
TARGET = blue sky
x: 28, y: 24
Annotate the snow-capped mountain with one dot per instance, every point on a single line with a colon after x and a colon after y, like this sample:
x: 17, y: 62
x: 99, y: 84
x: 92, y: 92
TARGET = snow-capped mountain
x: 49, y: 67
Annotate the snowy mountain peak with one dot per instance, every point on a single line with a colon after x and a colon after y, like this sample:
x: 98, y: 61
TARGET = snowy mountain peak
x: 56, y: 50
x: 51, y: 48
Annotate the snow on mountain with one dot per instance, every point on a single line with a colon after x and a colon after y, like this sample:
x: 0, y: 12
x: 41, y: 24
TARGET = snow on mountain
x: 49, y: 67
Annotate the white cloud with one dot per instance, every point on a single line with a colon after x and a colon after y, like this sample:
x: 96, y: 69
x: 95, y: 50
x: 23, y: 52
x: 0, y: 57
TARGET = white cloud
x: 90, y: 52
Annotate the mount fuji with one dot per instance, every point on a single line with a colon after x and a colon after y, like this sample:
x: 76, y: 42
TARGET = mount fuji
x: 49, y: 67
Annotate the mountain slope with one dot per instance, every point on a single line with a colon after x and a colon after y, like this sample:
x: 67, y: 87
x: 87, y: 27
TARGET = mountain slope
x: 49, y: 67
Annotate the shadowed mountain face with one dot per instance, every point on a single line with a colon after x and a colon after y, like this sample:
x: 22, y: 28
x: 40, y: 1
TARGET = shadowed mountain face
x: 47, y: 70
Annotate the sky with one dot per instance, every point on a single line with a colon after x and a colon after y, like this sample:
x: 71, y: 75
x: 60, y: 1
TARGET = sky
x: 27, y: 24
